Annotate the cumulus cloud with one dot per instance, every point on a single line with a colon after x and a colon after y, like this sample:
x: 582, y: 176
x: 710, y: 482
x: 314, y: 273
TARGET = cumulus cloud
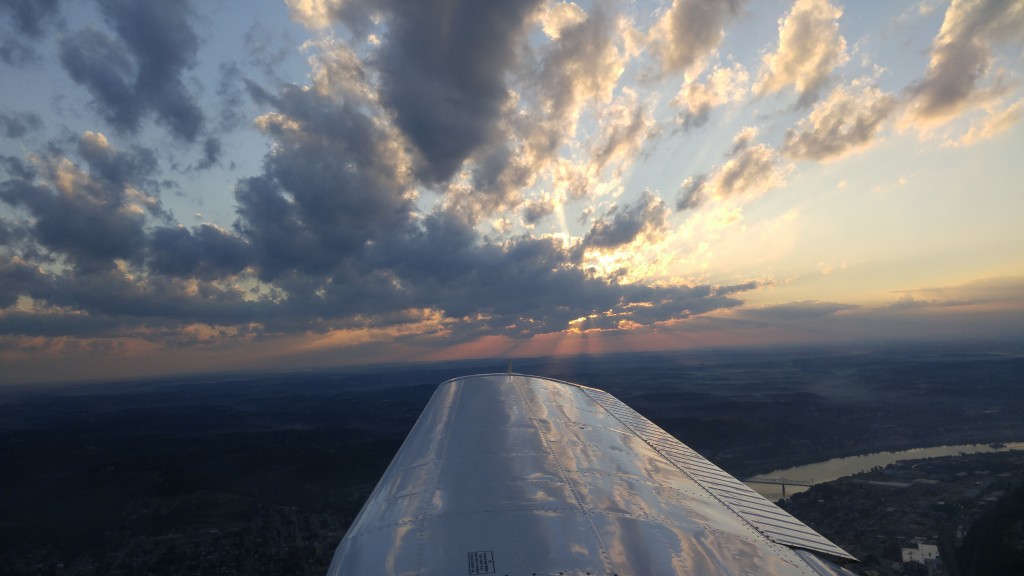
x: 205, y: 252
x: 583, y: 64
x: 315, y: 14
x: 625, y: 127
x: 536, y: 210
x: 576, y: 72
x: 723, y: 85
x: 443, y: 72
x: 140, y: 72
x: 556, y: 17
x: 90, y: 217
x: 334, y: 181
x: 810, y: 47
x: 621, y: 225
x: 846, y: 121
x: 328, y: 232
x: 961, y: 57
x: 750, y: 169
x: 690, y: 31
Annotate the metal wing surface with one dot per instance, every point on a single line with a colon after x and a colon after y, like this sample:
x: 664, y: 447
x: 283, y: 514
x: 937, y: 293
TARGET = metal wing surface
x: 518, y: 475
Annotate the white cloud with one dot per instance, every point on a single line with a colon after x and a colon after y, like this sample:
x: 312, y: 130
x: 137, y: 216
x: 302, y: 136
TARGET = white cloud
x: 554, y: 18
x: 749, y: 171
x: 313, y: 14
x: 845, y: 122
x: 690, y: 31
x: 723, y: 85
x: 810, y: 47
x: 961, y: 58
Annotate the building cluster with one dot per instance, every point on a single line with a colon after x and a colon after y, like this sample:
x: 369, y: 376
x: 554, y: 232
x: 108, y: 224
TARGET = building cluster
x: 909, y: 518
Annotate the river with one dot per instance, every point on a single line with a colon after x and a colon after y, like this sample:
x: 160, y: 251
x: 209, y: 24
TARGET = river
x: 829, y: 470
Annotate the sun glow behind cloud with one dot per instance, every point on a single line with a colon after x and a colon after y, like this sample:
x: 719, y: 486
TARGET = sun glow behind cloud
x: 385, y: 180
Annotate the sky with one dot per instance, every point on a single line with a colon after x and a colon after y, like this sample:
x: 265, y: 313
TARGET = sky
x: 230, y: 185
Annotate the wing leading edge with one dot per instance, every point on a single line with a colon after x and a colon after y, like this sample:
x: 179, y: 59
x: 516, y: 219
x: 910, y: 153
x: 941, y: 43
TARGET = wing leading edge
x: 520, y: 475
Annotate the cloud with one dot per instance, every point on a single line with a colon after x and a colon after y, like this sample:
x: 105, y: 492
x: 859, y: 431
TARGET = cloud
x: 212, y: 151
x: 21, y: 23
x: 91, y: 218
x: 139, y: 73
x: 691, y: 30
x: 961, y: 58
x: 622, y: 225
x: 117, y: 168
x: 625, y: 127
x: 443, y: 69
x: 997, y: 120
x: 336, y: 178
x: 205, y: 252
x: 536, y: 210
x: 575, y: 73
x: 316, y: 14
x: 749, y: 170
x: 556, y: 17
x: 329, y: 237
x: 723, y: 85
x: 797, y: 311
x: 989, y: 292
x: 583, y: 64
x: 810, y: 47
x: 17, y: 125
x: 845, y: 122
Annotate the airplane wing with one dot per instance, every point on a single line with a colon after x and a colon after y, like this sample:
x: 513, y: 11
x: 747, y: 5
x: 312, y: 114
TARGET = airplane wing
x: 518, y: 475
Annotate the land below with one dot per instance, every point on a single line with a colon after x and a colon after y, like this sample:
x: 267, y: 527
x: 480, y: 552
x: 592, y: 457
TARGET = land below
x: 261, y: 474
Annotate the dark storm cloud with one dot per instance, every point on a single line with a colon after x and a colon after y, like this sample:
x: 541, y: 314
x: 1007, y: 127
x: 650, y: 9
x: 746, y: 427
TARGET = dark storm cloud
x: 443, y: 69
x: 92, y: 226
x: 622, y: 225
x: 205, y: 252
x: 23, y: 22
x: 17, y: 125
x: 139, y: 73
x: 91, y: 217
x: 18, y: 278
x: 118, y: 168
x: 524, y: 287
x: 158, y: 302
x: 332, y: 183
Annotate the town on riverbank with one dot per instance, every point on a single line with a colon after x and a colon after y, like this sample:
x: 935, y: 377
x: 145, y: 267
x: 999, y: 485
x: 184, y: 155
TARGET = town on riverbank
x: 950, y: 516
